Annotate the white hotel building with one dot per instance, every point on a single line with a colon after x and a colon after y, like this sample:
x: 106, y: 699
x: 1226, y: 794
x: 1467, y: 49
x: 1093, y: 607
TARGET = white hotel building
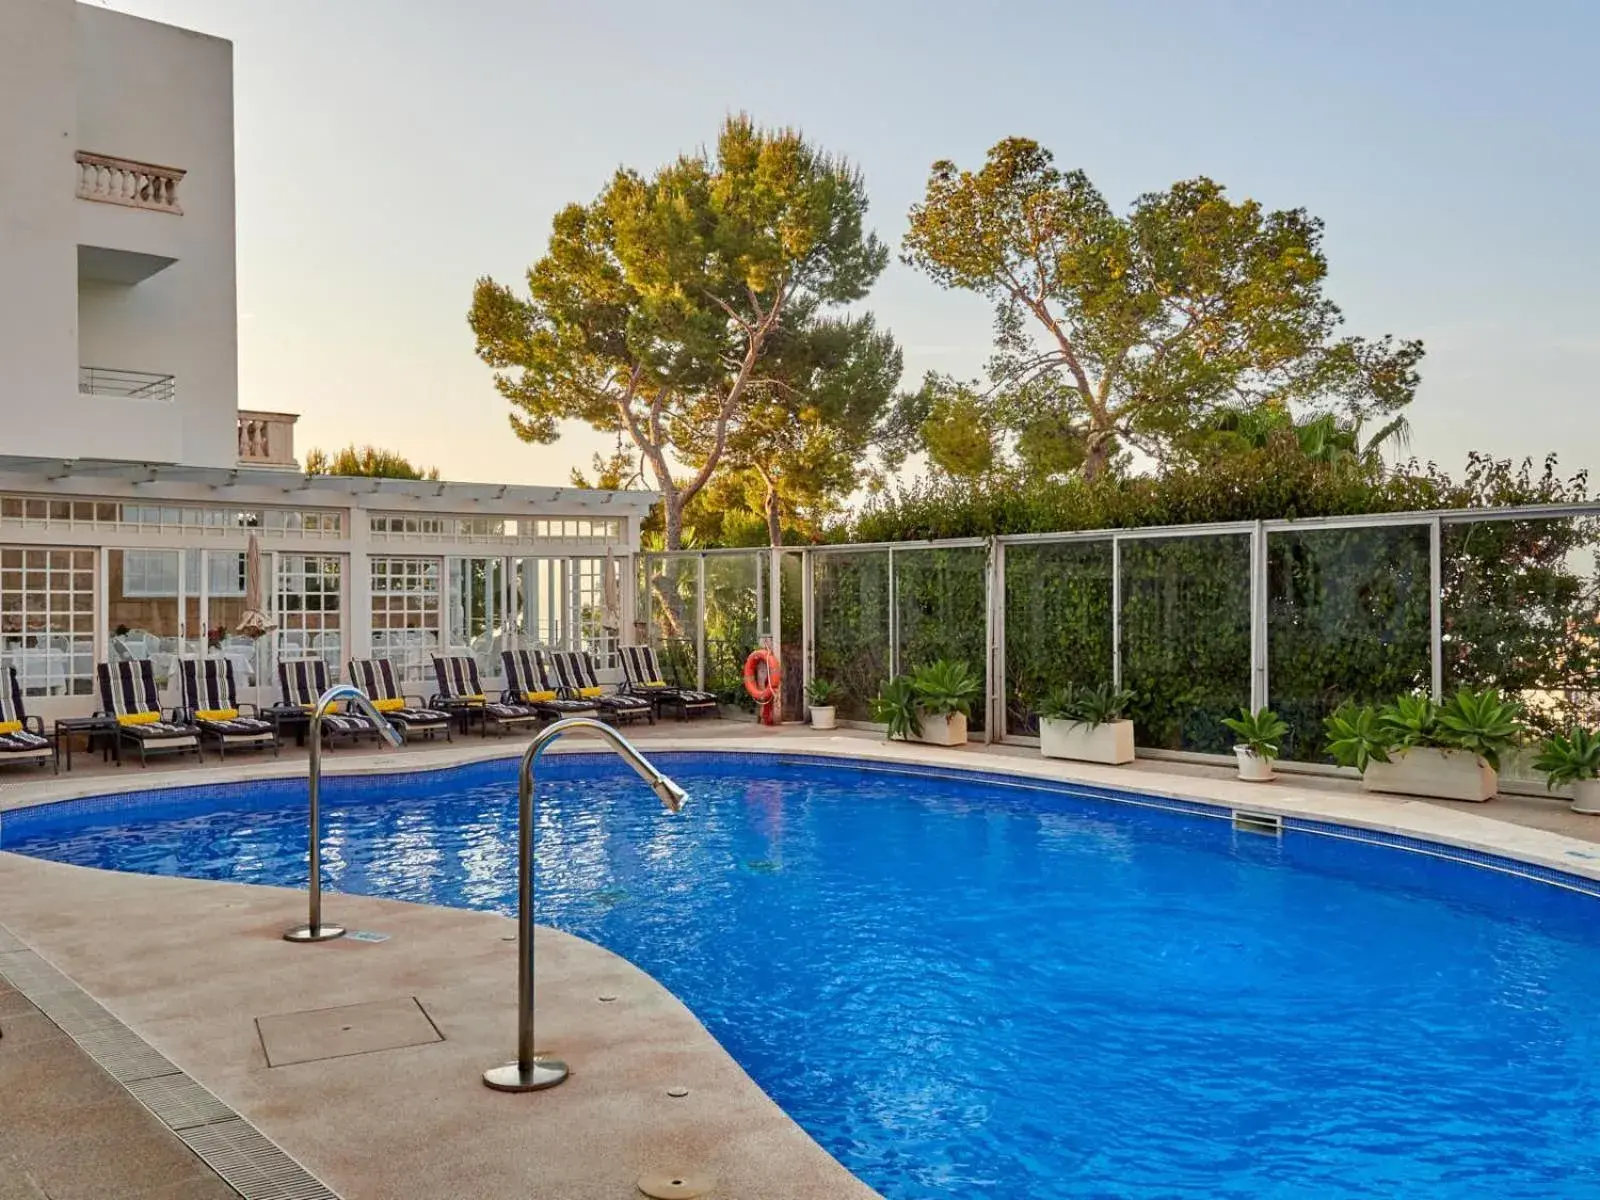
x: 130, y: 482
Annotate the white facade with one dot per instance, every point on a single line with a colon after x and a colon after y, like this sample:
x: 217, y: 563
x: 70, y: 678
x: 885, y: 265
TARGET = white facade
x: 131, y: 485
x: 117, y: 319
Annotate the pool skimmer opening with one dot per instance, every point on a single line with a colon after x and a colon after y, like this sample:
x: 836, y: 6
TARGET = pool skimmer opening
x: 1267, y: 824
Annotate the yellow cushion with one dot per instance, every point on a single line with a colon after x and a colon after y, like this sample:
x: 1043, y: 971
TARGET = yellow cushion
x: 591, y: 693
x: 309, y: 707
x: 475, y: 698
x: 216, y: 714
x: 653, y: 683
x: 138, y: 718
x: 388, y: 705
x: 538, y: 697
x: 10, y: 727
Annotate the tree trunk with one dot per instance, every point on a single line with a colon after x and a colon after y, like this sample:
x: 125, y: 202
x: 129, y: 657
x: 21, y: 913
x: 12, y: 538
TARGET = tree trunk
x: 774, y: 517
x: 672, y: 514
x: 1096, y: 453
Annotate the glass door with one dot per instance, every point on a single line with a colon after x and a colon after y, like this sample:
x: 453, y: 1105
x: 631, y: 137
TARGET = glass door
x: 145, y: 608
x: 544, y: 607
x: 479, y: 608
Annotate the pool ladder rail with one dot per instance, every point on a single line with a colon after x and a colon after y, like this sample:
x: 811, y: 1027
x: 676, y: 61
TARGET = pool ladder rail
x: 316, y: 929
x: 528, y: 1073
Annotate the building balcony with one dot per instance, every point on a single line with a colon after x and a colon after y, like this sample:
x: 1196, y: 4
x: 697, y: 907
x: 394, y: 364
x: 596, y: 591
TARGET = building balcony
x: 266, y: 439
x: 132, y: 184
x: 119, y: 241
x: 130, y: 385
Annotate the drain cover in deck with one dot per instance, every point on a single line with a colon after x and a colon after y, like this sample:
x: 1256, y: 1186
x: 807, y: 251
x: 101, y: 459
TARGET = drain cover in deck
x: 676, y: 1185
x: 321, y: 1033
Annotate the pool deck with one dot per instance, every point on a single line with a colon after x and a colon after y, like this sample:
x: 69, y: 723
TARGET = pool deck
x: 385, y: 1100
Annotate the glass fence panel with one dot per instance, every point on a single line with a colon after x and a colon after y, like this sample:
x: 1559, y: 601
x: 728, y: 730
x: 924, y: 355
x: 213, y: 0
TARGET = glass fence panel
x: 850, y: 615
x: 791, y: 632
x: 1348, y: 618
x: 1058, y: 623
x: 1521, y: 612
x: 672, y: 599
x: 734, y: 589
x: 1186, y: 637
x: 941, y: 612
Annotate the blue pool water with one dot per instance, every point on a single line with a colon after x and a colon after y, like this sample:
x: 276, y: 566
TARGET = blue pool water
x: 967, y: 989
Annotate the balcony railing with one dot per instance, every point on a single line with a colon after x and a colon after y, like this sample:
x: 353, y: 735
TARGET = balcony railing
x: 123, y: 181
x: 135, y: 385
x: 266, y: 439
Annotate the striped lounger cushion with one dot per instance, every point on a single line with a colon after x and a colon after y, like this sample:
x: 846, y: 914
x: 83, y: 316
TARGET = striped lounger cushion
x: 459, y: 683
x: 303, y: 681
x: 643, y: 669
x: 128, y: 691
x: 18, y: 740
x: 575, y: 670
x: 208, y: 688
x: 529, y: 677
x: 375, y: 677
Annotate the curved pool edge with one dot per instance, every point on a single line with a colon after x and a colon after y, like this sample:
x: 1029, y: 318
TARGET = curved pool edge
x: 415, y: 1120
x: 1316, y: 806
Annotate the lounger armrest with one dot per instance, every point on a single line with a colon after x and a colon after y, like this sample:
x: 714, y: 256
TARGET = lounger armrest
x: 33, y: 724
x: 249, y: 709
x: 414, y: 701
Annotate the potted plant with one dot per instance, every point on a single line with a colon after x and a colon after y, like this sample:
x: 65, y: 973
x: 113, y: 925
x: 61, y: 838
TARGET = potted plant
x: 895, y: 707
x: 820, y: 694
x: 1087, y: 725
x: 1258, y: 735
x: 944, y: 693
x: 1573, y: 759
x: 1415, y: 747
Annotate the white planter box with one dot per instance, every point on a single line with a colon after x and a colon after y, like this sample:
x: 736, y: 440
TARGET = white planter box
x: 822, y: 718
x: 1110, y: 743
x: 1439, y: 774
x: 1586, y: 796
x: 942, y: 731
x: 1252, y: 767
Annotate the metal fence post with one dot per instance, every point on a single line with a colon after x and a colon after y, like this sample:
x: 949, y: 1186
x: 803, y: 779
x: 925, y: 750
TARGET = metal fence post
x: 808, y: 666
x: 894, y: 621
x: 1436, y: 606
x: 700, y: 622
x: 1259, y: 683
x: 1116, y: 612
x: 995, y: 623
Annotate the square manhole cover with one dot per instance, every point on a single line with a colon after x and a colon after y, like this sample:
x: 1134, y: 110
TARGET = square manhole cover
x: 320, y: 1033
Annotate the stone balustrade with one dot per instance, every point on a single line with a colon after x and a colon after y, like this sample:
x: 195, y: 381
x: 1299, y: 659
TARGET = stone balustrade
x: 266, y: 439
x: 123, y: 181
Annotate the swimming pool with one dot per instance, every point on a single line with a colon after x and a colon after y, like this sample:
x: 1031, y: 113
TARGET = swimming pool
x: 966, y: 988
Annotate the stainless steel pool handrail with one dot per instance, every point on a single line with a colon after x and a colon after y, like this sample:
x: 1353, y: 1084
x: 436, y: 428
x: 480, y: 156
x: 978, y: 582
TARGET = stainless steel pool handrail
x: 314, y: 930
x: 526, y: 1074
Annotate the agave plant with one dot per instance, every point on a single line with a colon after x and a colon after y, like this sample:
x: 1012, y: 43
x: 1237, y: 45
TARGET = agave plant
x: 1410, y: 720
x: 945, y: 687
x: 1569, y: 758
x: 1356, y: 737
x: 1094, y: 706
x: 820, y: 693
x: 1261, y: 730
x: 1481, y: 723
x: 896, y: 707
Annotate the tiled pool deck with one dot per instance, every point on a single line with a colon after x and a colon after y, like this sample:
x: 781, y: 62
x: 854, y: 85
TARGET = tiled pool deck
x: 375, y: 1105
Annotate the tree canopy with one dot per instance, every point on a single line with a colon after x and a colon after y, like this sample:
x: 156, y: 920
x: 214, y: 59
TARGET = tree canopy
x: 1130, y: 331
x: 658, y: 307
x: 365, y: 460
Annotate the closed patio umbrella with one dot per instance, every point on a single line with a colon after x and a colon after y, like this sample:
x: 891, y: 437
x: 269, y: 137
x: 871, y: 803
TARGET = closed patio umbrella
x: 255, y: 621
x: 608, y: 594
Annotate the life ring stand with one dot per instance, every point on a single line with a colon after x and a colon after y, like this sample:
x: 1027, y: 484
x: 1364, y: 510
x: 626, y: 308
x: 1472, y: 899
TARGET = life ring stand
x: 763, y: 673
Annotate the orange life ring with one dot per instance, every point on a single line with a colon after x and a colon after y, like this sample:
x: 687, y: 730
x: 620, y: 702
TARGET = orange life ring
x: 762, y: 675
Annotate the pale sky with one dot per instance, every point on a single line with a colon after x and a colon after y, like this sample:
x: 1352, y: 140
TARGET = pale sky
x: 389, y: 152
